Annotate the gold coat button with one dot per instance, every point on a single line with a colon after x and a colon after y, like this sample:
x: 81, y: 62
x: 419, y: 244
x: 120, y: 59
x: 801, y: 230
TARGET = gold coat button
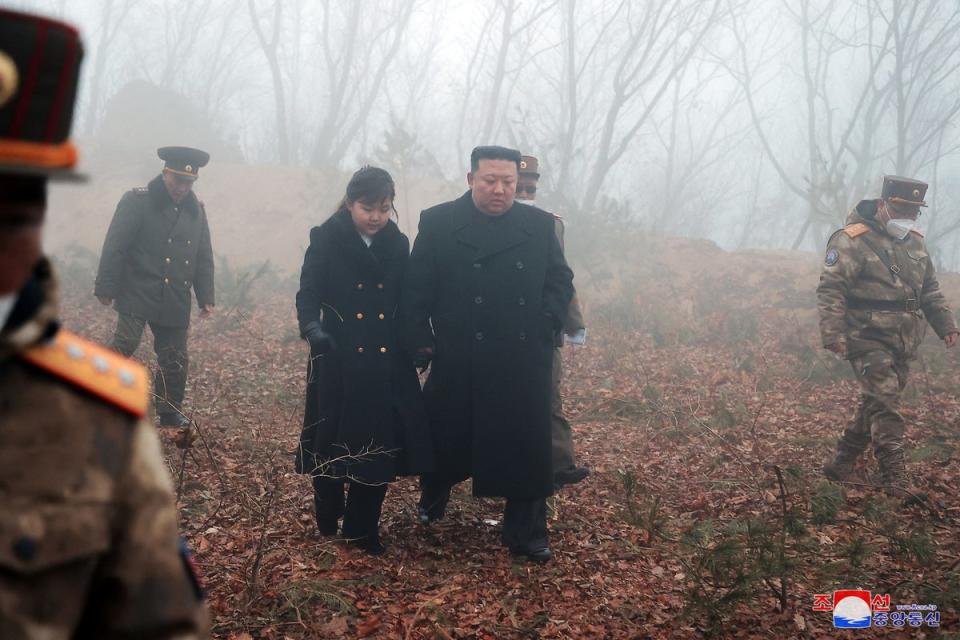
x: 168, y: 260
x: 186, y: 262
x: 359, y: 349
x: 188, y: 242
x: 381, y: 316
x: 166, y: 281
x: 383, y: 349
x: 359, y: 285
x: 359, y: 316
x: 379, y: 285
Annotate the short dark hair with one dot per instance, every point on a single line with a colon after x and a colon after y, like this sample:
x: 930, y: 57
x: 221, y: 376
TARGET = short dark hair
x: 493, y: 152
x: 370, y: 185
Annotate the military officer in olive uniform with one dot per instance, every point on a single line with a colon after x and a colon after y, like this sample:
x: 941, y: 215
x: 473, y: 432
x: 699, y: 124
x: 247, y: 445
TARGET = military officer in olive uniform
x: 88, y: 528
x: 158, y: 248
x: 565, y: 469
x: 877, y: 289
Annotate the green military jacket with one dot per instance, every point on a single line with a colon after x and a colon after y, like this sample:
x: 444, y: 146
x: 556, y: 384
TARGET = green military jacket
x: 154, y: 253
x: 864, y: 304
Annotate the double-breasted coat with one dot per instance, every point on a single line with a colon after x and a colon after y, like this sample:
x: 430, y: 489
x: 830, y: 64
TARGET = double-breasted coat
x: 488, y: 294
x: 364, y: 410
x: 155, y: 251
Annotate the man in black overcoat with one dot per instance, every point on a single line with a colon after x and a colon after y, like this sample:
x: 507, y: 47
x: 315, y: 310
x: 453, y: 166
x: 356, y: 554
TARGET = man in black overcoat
x: 156, y: 250
x: 486, y: 291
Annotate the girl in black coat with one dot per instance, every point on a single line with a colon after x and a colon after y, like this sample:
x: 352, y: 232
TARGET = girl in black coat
x: 364, y: 422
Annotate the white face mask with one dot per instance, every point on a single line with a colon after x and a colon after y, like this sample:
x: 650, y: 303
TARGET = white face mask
x: 900, y: 227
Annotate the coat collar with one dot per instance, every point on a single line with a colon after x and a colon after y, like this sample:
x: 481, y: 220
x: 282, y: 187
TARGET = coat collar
x: 486, y: 235
x: 382, y: 248
x: 158, y: 192
x: 34, y: 315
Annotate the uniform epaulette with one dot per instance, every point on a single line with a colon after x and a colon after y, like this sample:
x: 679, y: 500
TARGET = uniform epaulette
x: 917, y: 231
x: 856, y: 229
x: 95, y: 369
x: 558, y: 216
x: 140, y: 191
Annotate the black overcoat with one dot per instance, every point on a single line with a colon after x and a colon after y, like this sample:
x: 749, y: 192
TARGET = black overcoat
x: 155, y: 251
x: 488, y: 294
x: 363, y: 403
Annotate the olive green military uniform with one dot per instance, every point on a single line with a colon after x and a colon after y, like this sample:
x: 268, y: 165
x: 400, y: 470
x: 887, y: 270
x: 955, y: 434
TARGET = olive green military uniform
x: 880, y: 313
x: 88, y: 528
x: 157, y: 250
x: 560, y: 432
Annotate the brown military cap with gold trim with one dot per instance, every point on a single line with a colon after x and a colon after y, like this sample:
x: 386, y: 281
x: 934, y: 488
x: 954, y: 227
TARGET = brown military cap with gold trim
x: 39, y: 67
x: 184, y: 162
x: 899, y: 190
x: 529, y: 166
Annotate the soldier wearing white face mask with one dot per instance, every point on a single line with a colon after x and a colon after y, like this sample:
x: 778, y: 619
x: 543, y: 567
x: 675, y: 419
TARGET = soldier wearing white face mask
x: 878, y: 289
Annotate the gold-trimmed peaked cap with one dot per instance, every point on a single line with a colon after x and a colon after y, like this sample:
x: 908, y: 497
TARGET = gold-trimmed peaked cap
x: 529, y: 166
x: 900, y: 190
x: 39, y: 67
x: 183, y: 161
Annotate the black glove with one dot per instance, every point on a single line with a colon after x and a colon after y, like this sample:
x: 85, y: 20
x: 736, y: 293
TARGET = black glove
x: 422, y: 359
x: 320, y: 341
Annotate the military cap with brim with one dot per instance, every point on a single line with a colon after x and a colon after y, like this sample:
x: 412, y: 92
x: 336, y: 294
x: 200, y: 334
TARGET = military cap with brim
x: 900, y: 190
x: 529, y: 166
x: 39, y: 66
x: 183, y: 162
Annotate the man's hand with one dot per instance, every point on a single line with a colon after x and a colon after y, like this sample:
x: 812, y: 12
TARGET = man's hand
x: 206, y: 311
x: 951, y: 339
x: 422, y: 359
x: 105, y: 301
x: 839, y: 348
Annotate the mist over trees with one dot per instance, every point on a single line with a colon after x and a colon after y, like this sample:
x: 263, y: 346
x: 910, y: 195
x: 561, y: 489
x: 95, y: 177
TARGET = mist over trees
x: 754, y: 124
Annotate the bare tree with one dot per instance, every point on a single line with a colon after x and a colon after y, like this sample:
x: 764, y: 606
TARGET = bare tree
x: 828, y: 184
x: 355, y: 78
x: 270, y: 51
x: 111, y: 21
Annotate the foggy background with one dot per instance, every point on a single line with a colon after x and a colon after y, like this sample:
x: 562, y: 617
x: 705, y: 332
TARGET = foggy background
x: 755, y: 124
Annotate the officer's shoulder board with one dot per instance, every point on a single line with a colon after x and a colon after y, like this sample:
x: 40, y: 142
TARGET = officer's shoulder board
x: 557, y: 216
x: 140, y: 191
x: 856, y: 229
x: 95, y: 369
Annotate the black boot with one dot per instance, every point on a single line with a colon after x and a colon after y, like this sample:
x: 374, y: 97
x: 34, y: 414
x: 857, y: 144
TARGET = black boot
x: 174, y: 421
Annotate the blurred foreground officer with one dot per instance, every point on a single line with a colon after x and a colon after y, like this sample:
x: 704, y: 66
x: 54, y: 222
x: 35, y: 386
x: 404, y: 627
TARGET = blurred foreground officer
x: 157, y: 248
x: 88, y: 529
x: 565, y: 469
x: 877, y: 287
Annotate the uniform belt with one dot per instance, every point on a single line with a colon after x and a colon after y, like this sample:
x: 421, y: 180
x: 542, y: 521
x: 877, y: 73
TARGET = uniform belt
x: 860, y: 304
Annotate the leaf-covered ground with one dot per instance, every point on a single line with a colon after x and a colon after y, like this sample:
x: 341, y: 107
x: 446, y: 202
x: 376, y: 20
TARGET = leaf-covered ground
x: 705, y: 410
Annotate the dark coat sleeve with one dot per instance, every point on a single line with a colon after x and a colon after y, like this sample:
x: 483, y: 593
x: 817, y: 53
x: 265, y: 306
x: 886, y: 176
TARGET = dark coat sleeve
x: 116, y: 246
x: 204, y: 278
x: 419, y: 289
x: 313, y: 278
x: 558, y: 285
